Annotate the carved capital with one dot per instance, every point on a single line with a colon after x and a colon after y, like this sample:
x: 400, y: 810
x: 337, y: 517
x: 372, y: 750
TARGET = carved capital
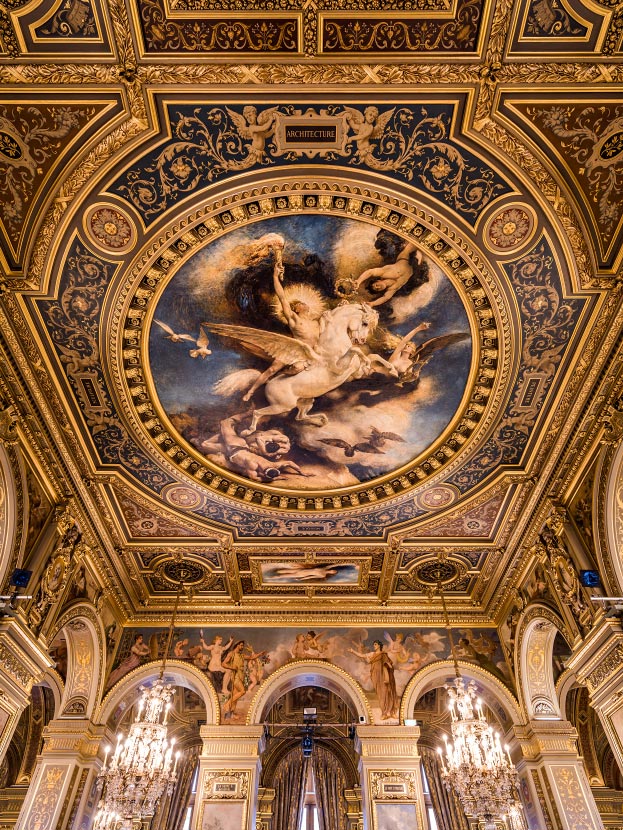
x: 557, y: 519
x: 613, y: 424
x: 8, y: 425
x: 609, y: 665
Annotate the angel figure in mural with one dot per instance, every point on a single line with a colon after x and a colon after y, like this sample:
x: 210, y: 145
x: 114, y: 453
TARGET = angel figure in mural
x: 257, y: 128
x: 386, y: 280
x: 367, y: 127
x: 382, y: 678
x: 139, y: 653
x: 216, y: 650
x: 236, y: 664
x: 397, y: 650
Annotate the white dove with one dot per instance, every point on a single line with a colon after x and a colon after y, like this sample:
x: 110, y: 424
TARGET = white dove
x: 202, y: 350
x: 172, y: 336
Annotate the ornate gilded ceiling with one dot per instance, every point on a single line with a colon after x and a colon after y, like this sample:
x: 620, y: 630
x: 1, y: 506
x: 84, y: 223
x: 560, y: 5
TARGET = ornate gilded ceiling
x: 315, y: 304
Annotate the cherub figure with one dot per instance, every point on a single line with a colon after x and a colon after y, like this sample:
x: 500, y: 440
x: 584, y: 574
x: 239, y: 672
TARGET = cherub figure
x: 397, y: 650
x: 390, y: 278
x: 409, y: 358
x: 256, y: 127
x: 367, y: 127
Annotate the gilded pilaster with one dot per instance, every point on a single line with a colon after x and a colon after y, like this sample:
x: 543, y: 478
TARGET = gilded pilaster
x: 553, y: 779
x: 62, y: 788
x: 229, y: 768
x: 390, y: 773
x: 22, y: 664
x: 599, y: 665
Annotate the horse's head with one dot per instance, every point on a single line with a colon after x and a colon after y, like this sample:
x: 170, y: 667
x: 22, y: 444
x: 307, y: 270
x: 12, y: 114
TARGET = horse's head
x: 362, y: 323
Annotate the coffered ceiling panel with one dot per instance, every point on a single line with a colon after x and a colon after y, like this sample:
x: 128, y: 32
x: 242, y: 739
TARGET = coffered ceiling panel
x: 310, y: 299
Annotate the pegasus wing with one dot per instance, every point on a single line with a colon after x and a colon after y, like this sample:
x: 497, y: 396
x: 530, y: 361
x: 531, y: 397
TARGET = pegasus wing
x: 240, y: 123
x: 381, y: 123
x: 266, y: 344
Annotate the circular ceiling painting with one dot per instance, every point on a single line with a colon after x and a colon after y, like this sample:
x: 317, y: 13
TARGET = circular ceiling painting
x: 309, y: 352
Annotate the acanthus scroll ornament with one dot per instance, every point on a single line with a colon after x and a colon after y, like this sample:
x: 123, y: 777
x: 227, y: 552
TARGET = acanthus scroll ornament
x: 8, y: 425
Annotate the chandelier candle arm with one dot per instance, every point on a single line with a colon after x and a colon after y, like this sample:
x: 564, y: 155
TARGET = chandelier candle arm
x: 143, y: 766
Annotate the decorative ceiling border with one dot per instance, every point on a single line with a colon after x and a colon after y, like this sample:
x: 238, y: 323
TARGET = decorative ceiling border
x: 294, y: 197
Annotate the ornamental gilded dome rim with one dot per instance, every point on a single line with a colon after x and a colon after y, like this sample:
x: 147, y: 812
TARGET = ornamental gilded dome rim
x: 136, y: 297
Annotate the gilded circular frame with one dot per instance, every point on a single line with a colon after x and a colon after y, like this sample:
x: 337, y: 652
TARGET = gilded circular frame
x: 148, y: 278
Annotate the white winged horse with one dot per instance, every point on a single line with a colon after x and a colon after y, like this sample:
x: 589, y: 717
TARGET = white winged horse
x: 337, y: 358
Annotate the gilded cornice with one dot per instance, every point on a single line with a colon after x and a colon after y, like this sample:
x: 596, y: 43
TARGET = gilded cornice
x: 66, y: 461
x: 582, y: 391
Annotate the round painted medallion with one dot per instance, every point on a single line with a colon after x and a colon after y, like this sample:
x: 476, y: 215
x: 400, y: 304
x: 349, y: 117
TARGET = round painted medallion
x: 110, y: 228
x: 308, y: 352
x: 509, y: 229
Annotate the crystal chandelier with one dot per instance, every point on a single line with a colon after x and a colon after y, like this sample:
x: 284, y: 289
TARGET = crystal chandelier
x: 476, y: 767
x: 143, y: 766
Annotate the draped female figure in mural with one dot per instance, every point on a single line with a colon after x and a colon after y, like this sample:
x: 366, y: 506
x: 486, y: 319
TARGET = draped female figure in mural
x: 382, y: 677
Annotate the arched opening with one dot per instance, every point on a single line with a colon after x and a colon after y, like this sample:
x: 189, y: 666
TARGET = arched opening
x: 542, y: 651
x: 188, y: 713
x: 425, y: 701
x: 18, y: 765
x: 78, y: 650
x: 310, y: 762
x: 309, y: 673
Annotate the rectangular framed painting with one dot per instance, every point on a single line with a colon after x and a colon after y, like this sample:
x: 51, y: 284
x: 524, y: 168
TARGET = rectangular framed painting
x: 392, y: 815
x: 299, y: 573
x: 223, y: 815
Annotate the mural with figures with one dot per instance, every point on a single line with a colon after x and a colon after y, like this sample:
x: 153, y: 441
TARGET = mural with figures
x: 238, y: 660
x: 310, y: 352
